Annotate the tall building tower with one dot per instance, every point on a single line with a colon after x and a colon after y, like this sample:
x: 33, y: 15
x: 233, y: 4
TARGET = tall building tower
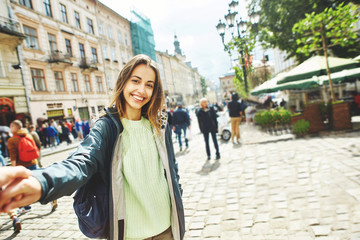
x: 177, y: 46
x: 142, y: 35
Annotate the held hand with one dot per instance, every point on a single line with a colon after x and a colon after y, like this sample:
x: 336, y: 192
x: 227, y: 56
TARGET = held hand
x: 9, y: 174
x: 19, y: 193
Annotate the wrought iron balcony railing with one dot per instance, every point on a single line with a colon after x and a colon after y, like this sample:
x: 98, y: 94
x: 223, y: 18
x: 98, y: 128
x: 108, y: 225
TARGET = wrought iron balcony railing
x: 59, y: 57
x: 10, y: 26
x: 86, y: 63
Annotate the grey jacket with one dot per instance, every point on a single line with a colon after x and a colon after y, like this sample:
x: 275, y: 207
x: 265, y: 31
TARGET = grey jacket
x: 94, y: 156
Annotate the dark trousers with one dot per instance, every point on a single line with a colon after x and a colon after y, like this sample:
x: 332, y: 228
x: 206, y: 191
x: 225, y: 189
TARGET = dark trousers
x: 206, y: 138
x: 181, y: 128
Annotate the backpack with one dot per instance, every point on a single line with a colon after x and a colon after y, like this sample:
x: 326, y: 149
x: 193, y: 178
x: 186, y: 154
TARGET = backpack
x: 28, y: 150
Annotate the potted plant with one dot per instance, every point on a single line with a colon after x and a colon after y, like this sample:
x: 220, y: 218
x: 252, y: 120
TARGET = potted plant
x: 301, y: 127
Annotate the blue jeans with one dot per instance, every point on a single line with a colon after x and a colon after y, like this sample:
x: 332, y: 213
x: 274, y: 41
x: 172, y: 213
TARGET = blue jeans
x: 2, y: 161
x: 33, y: 167
x: 178, y: 129
x: 206, y: 138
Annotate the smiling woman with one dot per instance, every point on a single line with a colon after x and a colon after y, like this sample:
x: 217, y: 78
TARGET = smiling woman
x: 126, y: 163
x: 138, y: 91
x: 137, y: 83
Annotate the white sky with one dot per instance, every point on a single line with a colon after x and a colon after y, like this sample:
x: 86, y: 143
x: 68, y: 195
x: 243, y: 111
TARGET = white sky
x: 193, y: 21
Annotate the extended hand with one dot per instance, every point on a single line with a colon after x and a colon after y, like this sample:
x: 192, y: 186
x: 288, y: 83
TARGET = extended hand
x: 9, y: 174
x: 19, y: 192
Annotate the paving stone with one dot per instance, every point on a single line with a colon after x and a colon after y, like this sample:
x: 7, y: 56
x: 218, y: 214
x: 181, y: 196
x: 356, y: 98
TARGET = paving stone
x: 321, y: 230
x: 196, y: 225
x: 211, y: 231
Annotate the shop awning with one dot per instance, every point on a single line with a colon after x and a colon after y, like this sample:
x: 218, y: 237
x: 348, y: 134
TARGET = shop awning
x: 316, y: 66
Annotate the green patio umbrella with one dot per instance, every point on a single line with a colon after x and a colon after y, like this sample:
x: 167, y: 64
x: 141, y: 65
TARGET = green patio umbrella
x: 315, y: 66
x: 347, y: 75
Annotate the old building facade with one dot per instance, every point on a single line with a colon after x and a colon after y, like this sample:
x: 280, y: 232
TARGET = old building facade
x: 13, y: 100
x: 72, y: 55
x: 114, y: 41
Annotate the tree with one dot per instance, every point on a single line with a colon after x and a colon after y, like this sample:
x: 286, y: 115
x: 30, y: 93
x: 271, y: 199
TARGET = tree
x: 277, y: 18
x: 203, y: 86
x: 317, y: 32
x: 243, y: 45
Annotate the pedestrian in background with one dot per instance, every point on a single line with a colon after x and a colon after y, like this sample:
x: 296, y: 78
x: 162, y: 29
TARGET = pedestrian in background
x: 181, y: 121
x: 37, y: 142
x: 45, y: 139
x: 207, y: 119
x: 19, y: 132
x: 79, y: 130
x: 54, y: 124
x: 130, y: 148
x: 51, y: 134
x: 92, y: 121
x: 65, y: 132
x: 85, y: 127
x: 236, y: 114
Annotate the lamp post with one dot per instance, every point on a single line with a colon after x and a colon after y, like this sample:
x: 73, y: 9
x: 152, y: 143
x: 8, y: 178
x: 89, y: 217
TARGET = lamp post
x: 241, y: 30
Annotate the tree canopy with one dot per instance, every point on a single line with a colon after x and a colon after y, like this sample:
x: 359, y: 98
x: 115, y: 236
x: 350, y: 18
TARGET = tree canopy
x: 318, y: 32
x: 277, y: 17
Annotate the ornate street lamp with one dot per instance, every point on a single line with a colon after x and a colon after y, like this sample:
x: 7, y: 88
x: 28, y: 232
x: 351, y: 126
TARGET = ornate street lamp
x: 241, y: 28
x: 221, y: 30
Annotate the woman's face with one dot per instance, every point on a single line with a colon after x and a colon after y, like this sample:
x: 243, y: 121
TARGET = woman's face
x: 138, y: 89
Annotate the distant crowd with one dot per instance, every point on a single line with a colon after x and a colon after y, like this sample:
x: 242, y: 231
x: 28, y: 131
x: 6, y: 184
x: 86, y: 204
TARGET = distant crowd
x: 51, y: 133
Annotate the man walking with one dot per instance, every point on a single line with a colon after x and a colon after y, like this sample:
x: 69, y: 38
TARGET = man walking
x: 235, y: 112
x: 207, y: 119
x: 181, y: 121
x: 15, y: 158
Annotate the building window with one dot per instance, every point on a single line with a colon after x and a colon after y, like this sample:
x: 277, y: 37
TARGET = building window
x: 2, y: 69
x: 77, y: 20
x: 101, y: 28
x: 59, y: 81
x: 110, y: 32
x: 52, y: 43
x: 99, y: 84
x: 47, y: 6
x: 68, y: 47
x: 31, y: 37
x: 126, y: 40
x: 94, y: 55
x: 105, y: 52
x: 26, y: 3
x: 82, y: 51
x: 87, y: 83
x: 113, y: 54
x: 90, y: 26
x: 119, y: 37
x: 74, y: 81
x: 38, y: 80
x: 63, y: 13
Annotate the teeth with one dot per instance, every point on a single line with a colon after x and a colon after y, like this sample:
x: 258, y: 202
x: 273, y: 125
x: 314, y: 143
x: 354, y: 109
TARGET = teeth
x: 138, y: 98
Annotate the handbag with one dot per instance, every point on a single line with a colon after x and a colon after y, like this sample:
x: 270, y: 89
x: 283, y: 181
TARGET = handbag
x: 91, y: 205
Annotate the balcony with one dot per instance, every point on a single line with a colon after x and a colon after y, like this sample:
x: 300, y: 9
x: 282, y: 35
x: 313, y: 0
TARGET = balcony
x: 10, y: 33
x: 87, y: 64
x: 58, y: 57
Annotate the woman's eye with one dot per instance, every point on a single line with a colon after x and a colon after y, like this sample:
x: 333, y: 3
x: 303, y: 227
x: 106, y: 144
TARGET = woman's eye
x: 135, y: 80
x: 150, y: 85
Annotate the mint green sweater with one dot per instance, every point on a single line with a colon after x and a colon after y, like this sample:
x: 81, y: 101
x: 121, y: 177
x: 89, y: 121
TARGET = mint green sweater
x: 146, y: 191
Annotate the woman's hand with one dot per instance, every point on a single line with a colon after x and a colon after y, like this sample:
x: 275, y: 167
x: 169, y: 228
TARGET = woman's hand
x: 22, y: 189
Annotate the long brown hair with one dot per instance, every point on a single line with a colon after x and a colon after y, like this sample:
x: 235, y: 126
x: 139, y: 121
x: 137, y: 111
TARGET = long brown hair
x: 151, y: 109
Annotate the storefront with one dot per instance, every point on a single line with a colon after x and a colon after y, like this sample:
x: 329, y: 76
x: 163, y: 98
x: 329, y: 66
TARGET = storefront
x: 7, y: 112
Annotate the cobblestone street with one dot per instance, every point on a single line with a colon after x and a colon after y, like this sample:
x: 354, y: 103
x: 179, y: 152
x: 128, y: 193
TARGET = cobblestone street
x: 269, y: 187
